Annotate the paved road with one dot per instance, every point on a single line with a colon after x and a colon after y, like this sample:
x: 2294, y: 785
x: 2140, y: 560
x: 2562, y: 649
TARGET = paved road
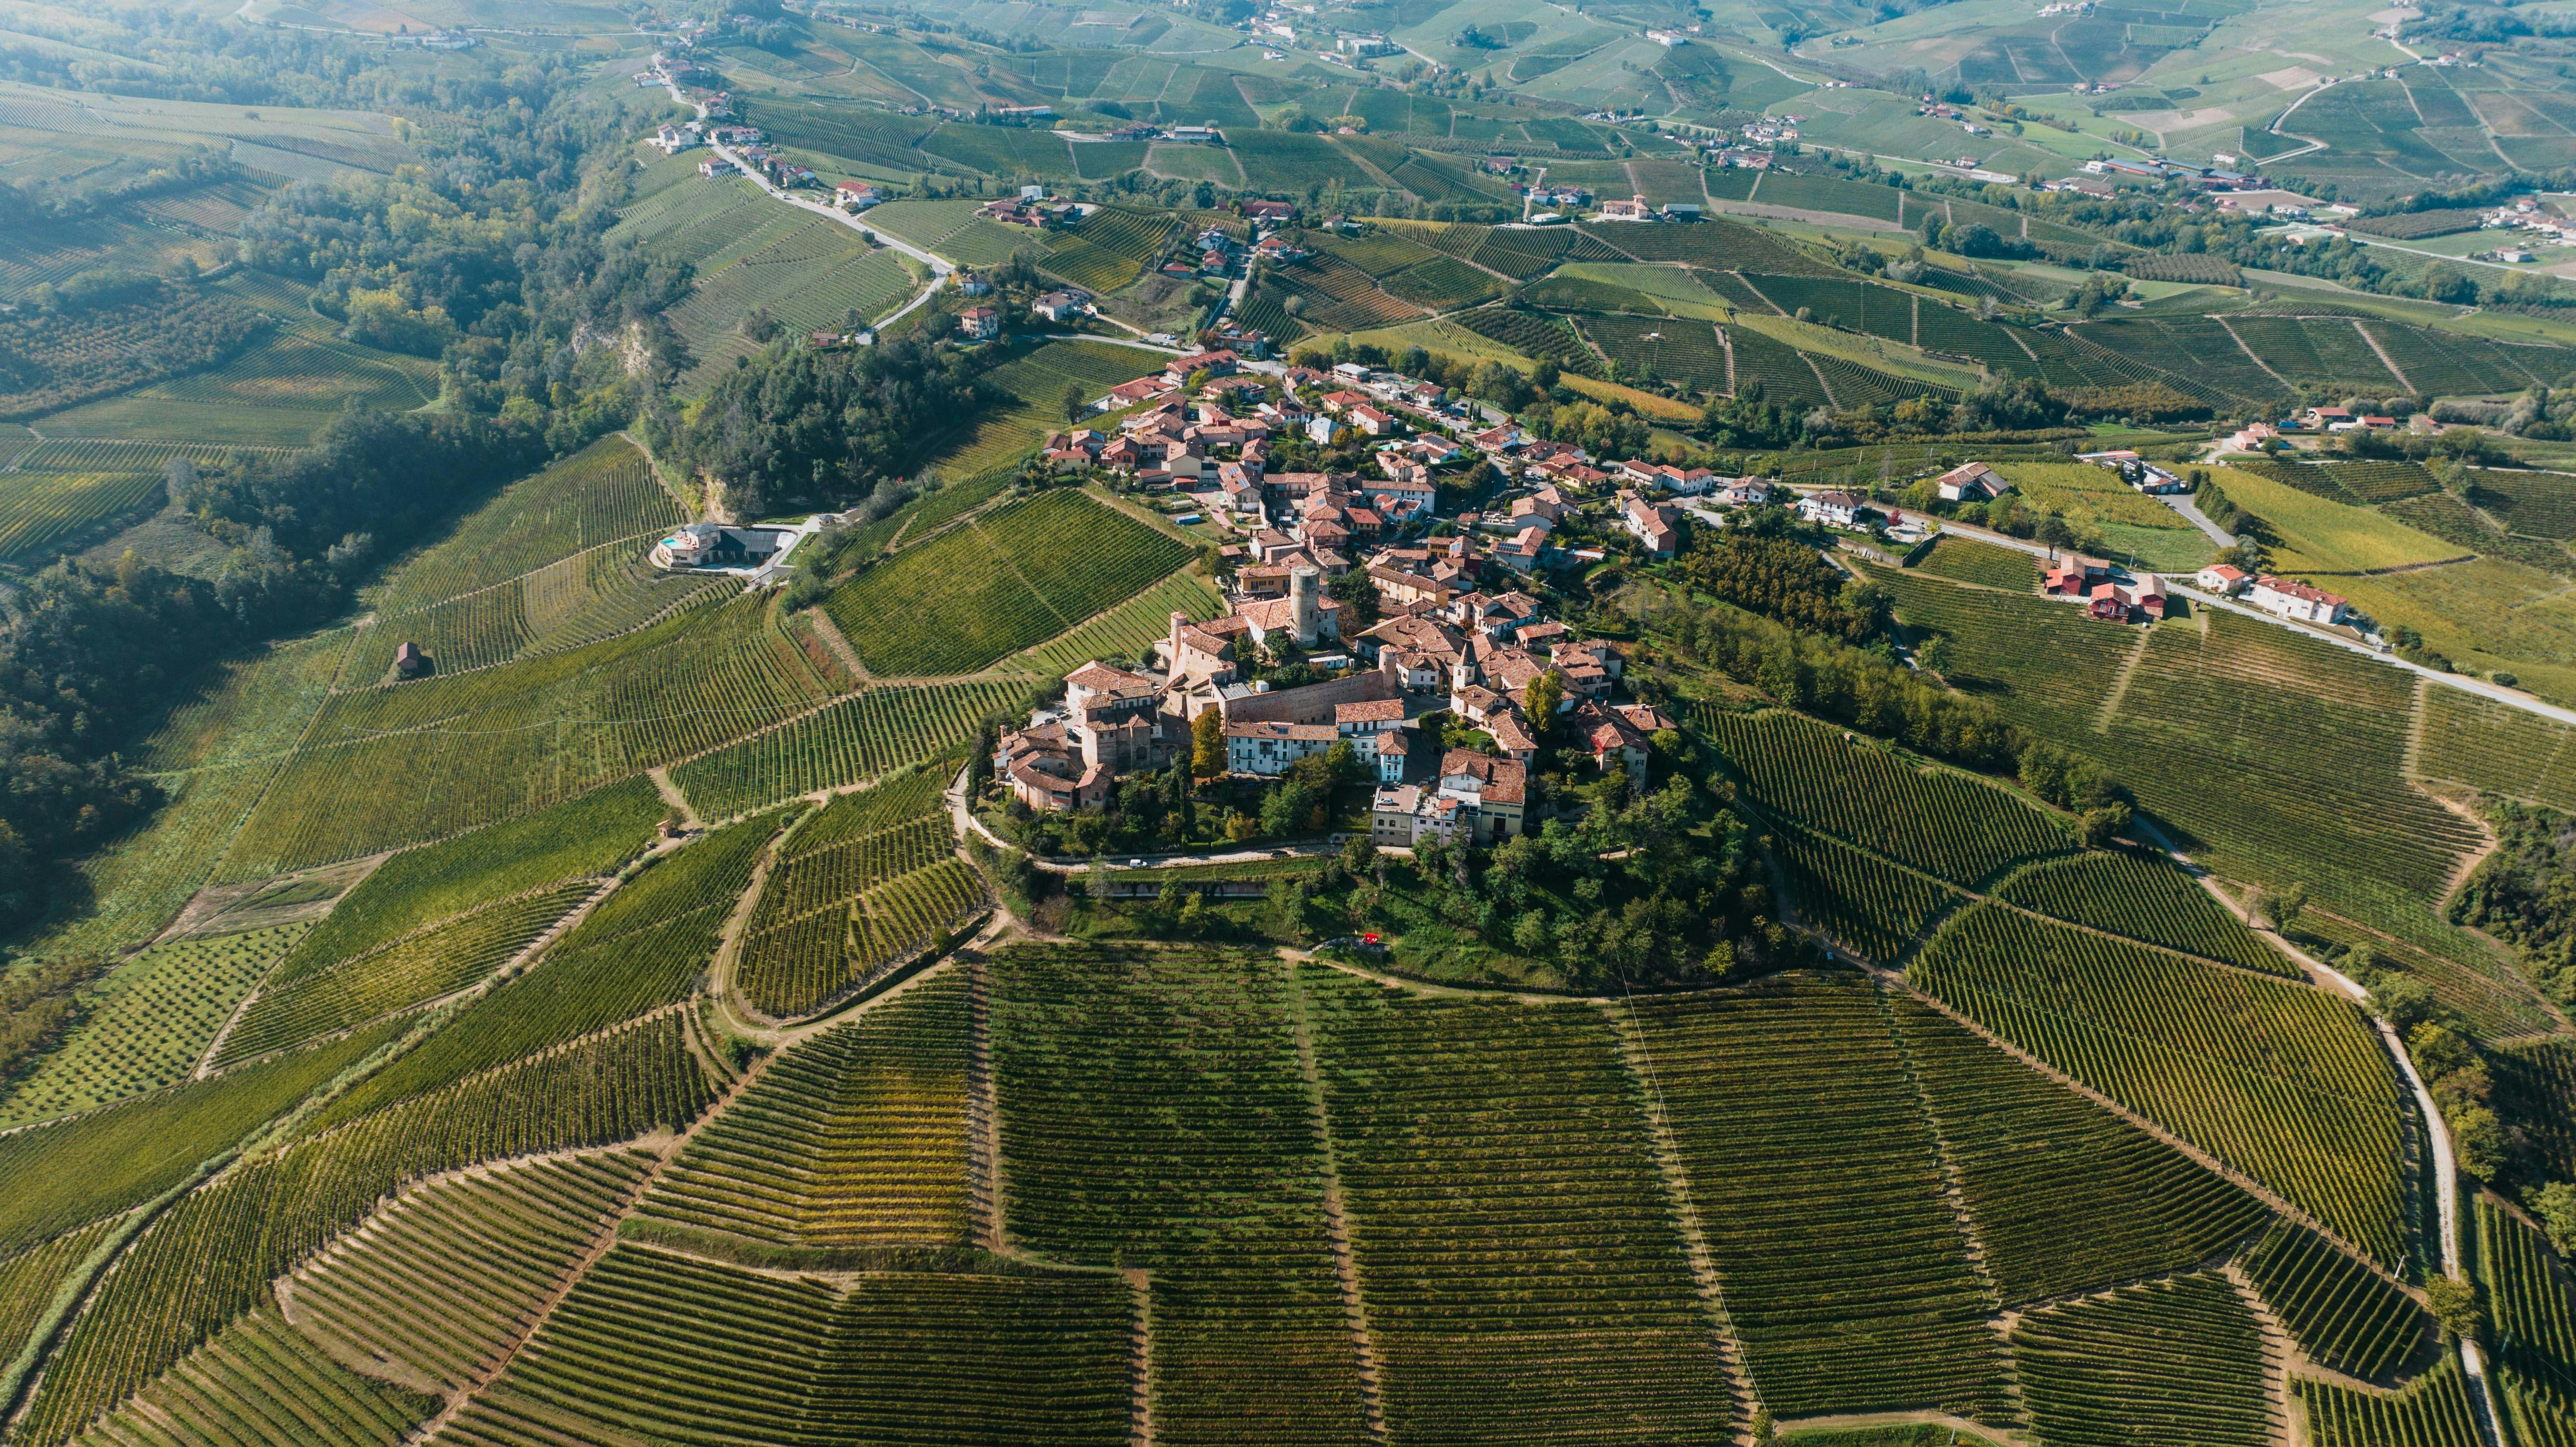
x: 2462, y: 682
x: 2181, y: 503
x: 940, y: 267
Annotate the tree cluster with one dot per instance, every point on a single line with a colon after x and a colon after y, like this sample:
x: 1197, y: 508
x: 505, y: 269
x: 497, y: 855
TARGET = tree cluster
x: 1760, y: 567
x: 796, y: 426
x: 1860, y: 687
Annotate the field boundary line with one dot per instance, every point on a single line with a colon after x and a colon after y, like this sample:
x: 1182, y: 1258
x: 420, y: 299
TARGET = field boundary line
x: 1953, y: 1191
x: 2119, y: 684
x: 2394, y: 370
x: 1140, y: 1358
x: 1765, y: 296
x: 834, y: 639
x: 2410, y: 759
x: 2279, y: 1204
x: 542, y: 1314
x: 1732, y: 1362
x: 2250, y: 354
x: 1337, y: 1230
x: 983, y: 1111
x: 673, y: 795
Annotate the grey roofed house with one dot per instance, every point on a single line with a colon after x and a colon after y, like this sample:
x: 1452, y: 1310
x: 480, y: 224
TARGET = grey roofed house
x: 713, y: 545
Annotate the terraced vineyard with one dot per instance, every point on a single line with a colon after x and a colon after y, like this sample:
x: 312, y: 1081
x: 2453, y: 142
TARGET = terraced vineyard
x: 875, y: 732
x: 1846, y: 1274
x: 1856, y: 899
x: 1536, y: 335
x: 38, y: 509
x: 2066, y: 1196
x: 1780, y: 370
x: 855, y: 1139
x: 2344, y: 1316
x: 150, y: 1023
x: 2195, y: 737
x: 1109, y: 247
x: 1565, y: 1314
x: 2497, y: 748
x: 858, y: 889
x: 699, y: 1353
x: 1966, y: 560
x: 448, y: 1275
x: 2144, y: 897
x: 2538, y: 1078
x: 411, y: 972
x: 510, y: 740
x: 2182, y: 1356
x: 2432, y: 1411
x: 1130, y: 630
x: 1153, y: 1115
x: 1939, y: 822
x: 2272, y: 1077
x: 1680, y: 350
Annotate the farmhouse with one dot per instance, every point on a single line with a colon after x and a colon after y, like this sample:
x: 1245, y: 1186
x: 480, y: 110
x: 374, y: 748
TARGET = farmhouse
x: 1842, y: 509
x: 1657, y: 525
x: 980, y: 323
x: 2297, y: 601
x: 2220, y: 578
x: 1061, y: 306
x: 713, y: 545
x: 1970, y: 482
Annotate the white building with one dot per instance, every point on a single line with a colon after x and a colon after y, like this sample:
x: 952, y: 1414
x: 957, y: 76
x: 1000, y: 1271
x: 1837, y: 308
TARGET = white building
x: 2297, y: 601
x: 1839, y: 508
x: 2220, y: 578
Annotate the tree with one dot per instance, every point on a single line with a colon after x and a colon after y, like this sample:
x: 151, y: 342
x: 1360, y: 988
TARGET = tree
x: 1540, y: 698
x: 2282, y: 907
x: 1284, y: 911
x: 2454, y: 1304
x: 1207, y: 744
x: 1072, y: 402
x: 1934, y: 653
x: 2403, y: 1001
x: 2555, y: 1205
x: 1358, y: 853
x: 2478, y: 1140
x: 1358, y: 596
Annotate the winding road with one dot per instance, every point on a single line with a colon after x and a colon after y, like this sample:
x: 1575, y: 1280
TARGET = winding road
x: 940, y: 267
x: 2173, y: 583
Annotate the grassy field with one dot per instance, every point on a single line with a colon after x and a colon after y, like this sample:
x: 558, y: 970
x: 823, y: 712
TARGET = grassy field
x: 2323, y: 536
x: 975, y: 594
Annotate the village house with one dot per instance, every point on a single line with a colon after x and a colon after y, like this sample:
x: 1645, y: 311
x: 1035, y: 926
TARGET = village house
x: 1970, y: 482
x: 1061, y: 306
x: 2221, y: 578
x: 2127, y: 602
x: 1657, y: 525
x: 980, y: 323
x: 1496, y: 788
x: 713, y: 545
x: 2075, y: 575
x: 1842, y: 509
x: 2297, y: 601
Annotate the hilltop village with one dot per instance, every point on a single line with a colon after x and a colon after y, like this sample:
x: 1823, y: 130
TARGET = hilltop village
x: 1408, y: 597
